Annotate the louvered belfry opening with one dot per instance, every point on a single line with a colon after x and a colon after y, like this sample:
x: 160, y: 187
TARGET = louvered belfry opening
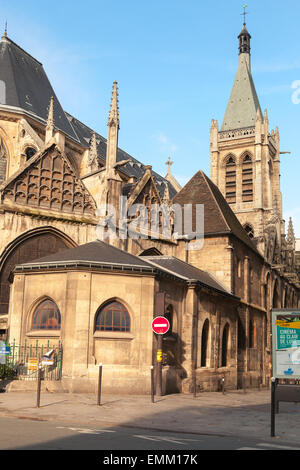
x: 247, y: 177
x: 231, y: 181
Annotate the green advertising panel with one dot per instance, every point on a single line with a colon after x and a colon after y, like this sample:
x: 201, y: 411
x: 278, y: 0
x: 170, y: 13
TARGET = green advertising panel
x: 286, y: 344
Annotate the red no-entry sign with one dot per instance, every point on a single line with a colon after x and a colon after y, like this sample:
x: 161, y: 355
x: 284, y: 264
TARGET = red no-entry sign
x: 160, y: 325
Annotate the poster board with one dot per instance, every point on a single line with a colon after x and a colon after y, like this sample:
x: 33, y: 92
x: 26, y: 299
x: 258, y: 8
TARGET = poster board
x: 286, y: 344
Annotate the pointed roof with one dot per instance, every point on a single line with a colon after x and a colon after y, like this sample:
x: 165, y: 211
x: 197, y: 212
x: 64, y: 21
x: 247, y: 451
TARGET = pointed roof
x: 218, y: 215
x: 27, y: 87
x: 243, y: 103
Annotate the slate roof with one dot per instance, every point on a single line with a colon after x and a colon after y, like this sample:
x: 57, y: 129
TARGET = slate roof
x: 218, y: 215
x: 93, y: 253
x: 243, y: 102
x: 99, y: 254
x: 27, y: 86
x: 187, y: 272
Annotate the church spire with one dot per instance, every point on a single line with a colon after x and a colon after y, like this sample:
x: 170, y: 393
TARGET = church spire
x: 243, y: 104
x: 244, y: 37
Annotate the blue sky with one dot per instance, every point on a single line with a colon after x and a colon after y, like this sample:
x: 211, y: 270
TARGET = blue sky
x: 175, y: 63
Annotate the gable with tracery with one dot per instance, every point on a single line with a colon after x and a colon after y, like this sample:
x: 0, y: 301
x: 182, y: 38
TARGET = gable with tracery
x: 49, y: 182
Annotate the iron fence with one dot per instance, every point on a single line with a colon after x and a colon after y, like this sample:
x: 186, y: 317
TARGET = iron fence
x: 23, y: 361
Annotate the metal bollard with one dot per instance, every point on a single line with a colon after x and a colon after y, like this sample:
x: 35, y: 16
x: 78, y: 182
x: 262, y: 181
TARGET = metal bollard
x: 223, y: 385
x: 39, y: 383
x: 152, y: 383
x: 244, y: 385
x: 99, y: 385
x: 195, y: 386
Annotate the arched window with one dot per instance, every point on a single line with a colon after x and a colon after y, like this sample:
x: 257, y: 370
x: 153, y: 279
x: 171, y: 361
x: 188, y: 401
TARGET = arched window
x: 204, y: 344
x: 46, y: 316
x: 112, y: 317
x: 225, y: 345
x: 230, y: 181
x: 247, y: 179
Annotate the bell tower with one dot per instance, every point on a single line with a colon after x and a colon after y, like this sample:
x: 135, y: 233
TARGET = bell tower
x: 245, y: 160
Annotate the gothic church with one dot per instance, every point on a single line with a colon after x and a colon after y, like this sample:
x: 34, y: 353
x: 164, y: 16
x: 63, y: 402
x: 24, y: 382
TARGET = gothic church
x: 58, y: 282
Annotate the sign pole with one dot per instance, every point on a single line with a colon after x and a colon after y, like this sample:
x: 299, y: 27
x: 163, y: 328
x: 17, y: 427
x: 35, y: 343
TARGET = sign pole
x: 273, y: 406
x: 160, y: 326
x: 159, y: 365
x: 152, y: 384
x: 39, y: 383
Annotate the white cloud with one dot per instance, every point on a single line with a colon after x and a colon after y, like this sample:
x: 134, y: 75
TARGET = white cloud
x: 274, y: 67
x: 165, y: 144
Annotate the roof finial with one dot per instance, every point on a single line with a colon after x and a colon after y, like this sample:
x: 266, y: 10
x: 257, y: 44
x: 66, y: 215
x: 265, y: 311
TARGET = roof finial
x: 5, y: 31
x: 93, y: 153
x: 291, y: 234
x: 50, y: 121
x: 114, y: 107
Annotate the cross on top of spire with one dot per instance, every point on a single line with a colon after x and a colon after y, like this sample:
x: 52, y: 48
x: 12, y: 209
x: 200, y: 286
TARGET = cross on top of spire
x: 169, y: 163
x: 244, y: 13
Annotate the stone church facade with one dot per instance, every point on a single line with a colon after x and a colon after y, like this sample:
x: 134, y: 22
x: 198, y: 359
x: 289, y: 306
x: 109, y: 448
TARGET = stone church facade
x: 98, y: 297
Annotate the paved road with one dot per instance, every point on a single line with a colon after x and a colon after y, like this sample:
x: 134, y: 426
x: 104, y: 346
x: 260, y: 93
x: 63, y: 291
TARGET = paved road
x: 24, y: 434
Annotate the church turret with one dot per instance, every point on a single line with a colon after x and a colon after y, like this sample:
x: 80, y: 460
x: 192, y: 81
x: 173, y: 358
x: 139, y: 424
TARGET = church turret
x: 244, y: 41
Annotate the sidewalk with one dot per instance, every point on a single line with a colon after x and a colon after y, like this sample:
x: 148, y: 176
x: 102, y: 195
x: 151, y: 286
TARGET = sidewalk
x: 232, y: 414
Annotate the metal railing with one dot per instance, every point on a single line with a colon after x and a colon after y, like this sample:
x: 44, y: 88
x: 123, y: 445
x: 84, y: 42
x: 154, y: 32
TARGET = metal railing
x: 23, y: 361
